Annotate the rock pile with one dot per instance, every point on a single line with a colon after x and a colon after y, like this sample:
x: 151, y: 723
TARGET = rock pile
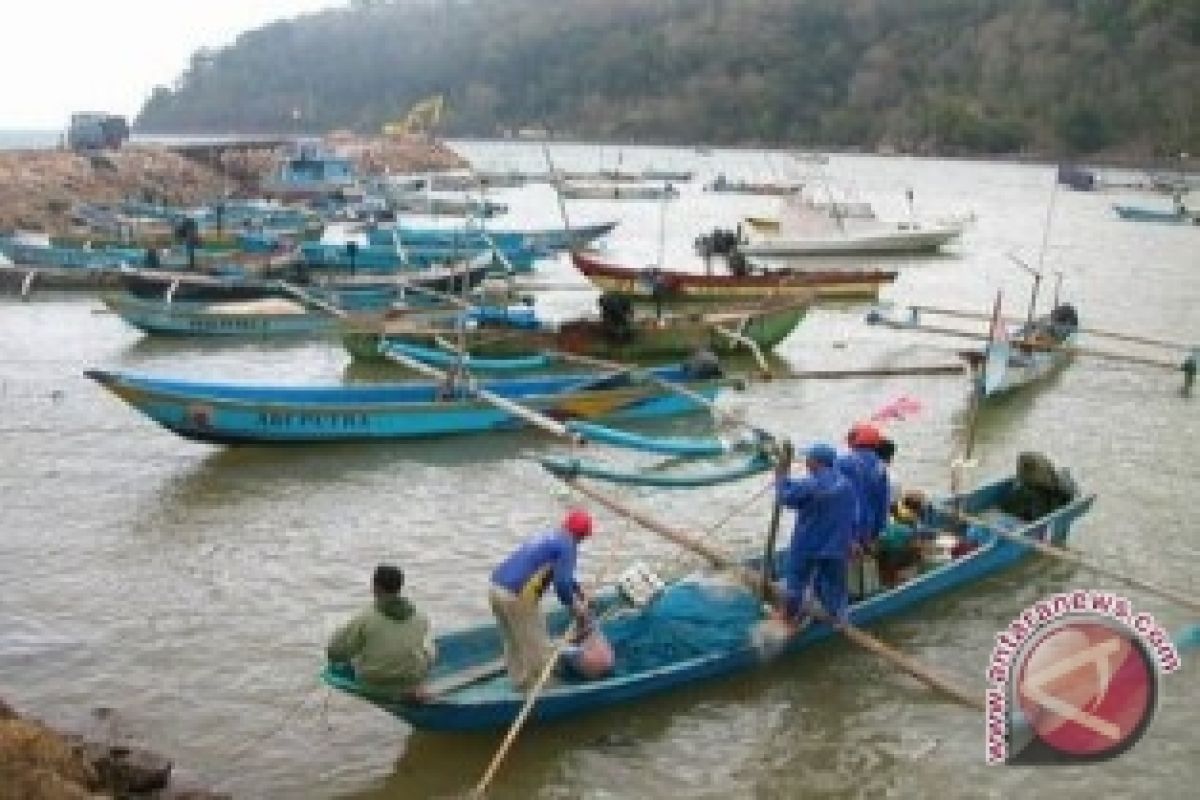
x: 40, y: 763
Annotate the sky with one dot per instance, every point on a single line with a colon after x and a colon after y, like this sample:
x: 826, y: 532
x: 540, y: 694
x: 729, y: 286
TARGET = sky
x: 61, y: 56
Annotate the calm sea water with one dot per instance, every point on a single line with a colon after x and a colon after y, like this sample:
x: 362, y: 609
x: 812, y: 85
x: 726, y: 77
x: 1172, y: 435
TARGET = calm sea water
x: 192, y: 587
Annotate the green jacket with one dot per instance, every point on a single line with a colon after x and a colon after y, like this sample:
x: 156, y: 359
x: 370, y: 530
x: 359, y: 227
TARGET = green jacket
x: 389, y: 645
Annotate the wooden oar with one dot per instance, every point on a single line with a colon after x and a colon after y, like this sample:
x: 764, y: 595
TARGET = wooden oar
x: 503, y: 403
x: 1070, y: 556
x: 519, y: 722
x: 1124, y: 337
x: 768, y: 565
x: 720, y: 559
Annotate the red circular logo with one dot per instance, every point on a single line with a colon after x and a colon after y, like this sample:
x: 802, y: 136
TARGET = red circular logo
x: 1087, y: 688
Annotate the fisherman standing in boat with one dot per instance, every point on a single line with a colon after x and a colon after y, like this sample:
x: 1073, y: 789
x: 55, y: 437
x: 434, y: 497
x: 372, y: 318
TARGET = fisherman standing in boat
x: 390, y: 644
x: 517, y: 588
x: 825, y: 508
x: 868, y: 476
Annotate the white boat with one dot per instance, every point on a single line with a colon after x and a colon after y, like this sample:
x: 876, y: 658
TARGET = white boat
x: 808, y: 230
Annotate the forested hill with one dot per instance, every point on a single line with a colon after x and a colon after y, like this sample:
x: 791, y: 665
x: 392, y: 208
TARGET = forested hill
x: 948, y: 76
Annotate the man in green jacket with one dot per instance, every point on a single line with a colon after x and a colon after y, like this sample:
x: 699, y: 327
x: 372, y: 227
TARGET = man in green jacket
x: 390, y: 644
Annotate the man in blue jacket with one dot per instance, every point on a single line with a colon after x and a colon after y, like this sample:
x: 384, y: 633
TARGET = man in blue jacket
x: 825, y: 514
x: 868, y: 476
x: 518, y: 585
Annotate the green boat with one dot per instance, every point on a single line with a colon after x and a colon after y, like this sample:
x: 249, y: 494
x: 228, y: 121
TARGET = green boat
x: 618, y: 335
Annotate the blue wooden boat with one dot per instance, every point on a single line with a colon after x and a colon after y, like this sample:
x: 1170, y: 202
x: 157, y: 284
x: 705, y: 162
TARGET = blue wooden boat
x: 265, y: 317
x: 353, y: 293
x: 383, y: 250
x: 1179, y: 215
x: 477, y: 697
x: 543, y: 241
x: 37, y: 250
x: 270, y: 414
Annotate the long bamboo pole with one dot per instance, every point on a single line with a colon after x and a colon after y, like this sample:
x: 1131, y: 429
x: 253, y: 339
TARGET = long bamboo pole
x: 1044, y: 346
x: 1124, y: 337
x: 1071, y: 557
x: 503, y: 403
x: 719, y: 558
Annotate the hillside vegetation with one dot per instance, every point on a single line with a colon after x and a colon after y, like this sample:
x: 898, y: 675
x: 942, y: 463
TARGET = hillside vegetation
x: 946, y: 76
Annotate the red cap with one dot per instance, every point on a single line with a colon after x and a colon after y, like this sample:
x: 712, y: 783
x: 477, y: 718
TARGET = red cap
x: 864, y: 434
x: 578, y: 523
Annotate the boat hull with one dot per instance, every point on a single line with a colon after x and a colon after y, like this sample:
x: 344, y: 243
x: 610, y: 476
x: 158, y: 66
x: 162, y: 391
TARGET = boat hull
x: 1139, y: 214
x: 899, y: 242
x: 719, y: 288
x: 494, y: 704
x: 244, y: 414
x: 649, y: 341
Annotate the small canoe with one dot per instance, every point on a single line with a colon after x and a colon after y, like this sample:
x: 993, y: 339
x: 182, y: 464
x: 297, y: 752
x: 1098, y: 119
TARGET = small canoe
x: 680, y: 286
x: 1174, y: 216
x: 691, y: 635
x: 232, y: 413
x: 675, y: 335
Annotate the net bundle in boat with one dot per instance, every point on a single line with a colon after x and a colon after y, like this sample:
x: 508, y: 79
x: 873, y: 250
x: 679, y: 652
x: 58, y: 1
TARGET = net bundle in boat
x: 692, y: 618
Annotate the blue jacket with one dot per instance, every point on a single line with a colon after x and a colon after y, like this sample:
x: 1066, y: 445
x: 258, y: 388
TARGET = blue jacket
x: 825, y: 514
x: 538, y: 562
x: 869, y: 479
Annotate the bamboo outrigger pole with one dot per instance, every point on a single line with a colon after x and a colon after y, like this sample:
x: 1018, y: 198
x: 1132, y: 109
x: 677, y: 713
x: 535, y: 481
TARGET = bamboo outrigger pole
x: 1071, y: 557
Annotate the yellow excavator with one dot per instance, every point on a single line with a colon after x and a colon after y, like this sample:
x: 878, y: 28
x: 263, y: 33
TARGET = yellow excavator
x: 420, y: 120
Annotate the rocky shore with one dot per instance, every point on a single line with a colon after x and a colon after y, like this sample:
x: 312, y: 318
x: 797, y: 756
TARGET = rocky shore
x: 38, y: 762
x: 38, y: 187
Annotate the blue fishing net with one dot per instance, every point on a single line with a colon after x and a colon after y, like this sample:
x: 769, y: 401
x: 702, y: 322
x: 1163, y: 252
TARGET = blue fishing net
x: 691, y: 618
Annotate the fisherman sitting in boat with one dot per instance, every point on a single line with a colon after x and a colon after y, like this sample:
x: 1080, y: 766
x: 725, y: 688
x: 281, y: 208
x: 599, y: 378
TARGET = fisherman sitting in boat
x: 816, y: 559
x: 389, y: 645
x: 517, y: 588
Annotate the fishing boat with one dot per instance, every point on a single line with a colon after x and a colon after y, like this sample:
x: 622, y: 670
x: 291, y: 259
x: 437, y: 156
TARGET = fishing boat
x: 673, y: 286
x: 232, y: 413
x: 382, y: 249
x: 516, y: 241
x: 723, y: 185
x: 619, y: 334
x: 809, y: 230
x: 1179, y: 215
x: 1033, y: 352
x: 692, y: 633
x: 617, y: 191
x: 264, y: 317
x: 353, y: 292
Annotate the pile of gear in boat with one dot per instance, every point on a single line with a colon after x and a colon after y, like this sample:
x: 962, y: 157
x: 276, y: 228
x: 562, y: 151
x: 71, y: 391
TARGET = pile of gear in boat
x: 856, y: 534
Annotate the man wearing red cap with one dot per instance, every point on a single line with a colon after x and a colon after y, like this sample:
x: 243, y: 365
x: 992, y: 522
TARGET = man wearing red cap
x: 518, y: 585
x: 868, y: 475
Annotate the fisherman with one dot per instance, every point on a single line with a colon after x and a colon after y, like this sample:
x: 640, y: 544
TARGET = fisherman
x: 389, y: 645
x: 518, y: 584
x: 817, y: 556
x: 868, y: 476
